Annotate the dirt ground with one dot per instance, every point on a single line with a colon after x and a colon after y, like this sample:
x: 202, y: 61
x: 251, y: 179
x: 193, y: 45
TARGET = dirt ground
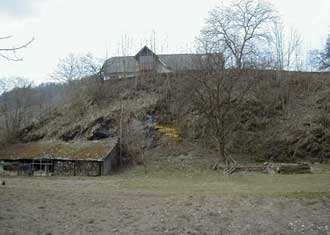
x: 118, y: 205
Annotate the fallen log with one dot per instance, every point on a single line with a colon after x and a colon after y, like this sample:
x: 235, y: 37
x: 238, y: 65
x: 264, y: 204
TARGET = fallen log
x: 289, y: 168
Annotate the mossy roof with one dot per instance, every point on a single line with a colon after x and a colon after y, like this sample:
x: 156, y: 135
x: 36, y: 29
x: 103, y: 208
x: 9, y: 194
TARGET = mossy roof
x: 79, y: 150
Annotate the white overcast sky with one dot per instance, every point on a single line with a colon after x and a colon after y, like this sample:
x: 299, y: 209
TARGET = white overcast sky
x: 97, y: 26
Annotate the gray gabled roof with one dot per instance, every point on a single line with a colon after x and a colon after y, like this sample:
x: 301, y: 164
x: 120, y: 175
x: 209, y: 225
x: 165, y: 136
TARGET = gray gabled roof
x: 127, y: 64
x: 167, y: 63
x: 181, y: 62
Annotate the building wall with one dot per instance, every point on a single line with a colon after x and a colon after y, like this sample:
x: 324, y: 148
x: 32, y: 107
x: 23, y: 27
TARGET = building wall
x: 107, y: 167
x: 88, y: 168
x: 14, y: 168
x: 111, y: 162
x: 146, y: 63
x: 77, y: 168
x: 64, y: 168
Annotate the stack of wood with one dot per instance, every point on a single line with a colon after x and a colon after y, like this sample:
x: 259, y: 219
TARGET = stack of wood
x: 288, y: 168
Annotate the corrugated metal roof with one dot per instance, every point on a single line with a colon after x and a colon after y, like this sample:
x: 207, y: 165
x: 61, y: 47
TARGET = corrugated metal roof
x: 82, y: 150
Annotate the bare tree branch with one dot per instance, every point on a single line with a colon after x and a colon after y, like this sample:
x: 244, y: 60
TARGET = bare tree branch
x: 6, y: 37
x: 17, y: 47
x: 12, y: 50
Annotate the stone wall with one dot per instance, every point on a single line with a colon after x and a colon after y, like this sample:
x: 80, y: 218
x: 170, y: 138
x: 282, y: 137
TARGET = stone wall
x: 87, y: 168
x: 64, y: 168
x: 77, y: 168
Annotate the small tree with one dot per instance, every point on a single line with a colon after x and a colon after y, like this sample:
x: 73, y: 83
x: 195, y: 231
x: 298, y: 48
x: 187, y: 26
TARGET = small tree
x: 133, y: 138
x: 218, y: 100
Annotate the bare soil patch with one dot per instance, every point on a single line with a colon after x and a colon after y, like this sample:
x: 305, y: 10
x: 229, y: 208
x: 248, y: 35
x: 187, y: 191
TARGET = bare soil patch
x: 159, y: 205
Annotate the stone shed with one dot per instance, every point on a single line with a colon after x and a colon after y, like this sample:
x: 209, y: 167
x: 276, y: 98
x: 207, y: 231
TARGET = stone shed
x: 88, y: 158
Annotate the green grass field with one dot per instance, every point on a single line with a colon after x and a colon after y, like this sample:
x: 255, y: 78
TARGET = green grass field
x: 208, y: 182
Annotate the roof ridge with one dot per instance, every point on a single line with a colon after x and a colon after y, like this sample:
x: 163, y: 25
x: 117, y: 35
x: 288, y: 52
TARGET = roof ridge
x: 183, y: 54
x: 130, y: 56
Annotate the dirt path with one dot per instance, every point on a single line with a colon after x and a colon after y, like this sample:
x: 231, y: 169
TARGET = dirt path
x: 101, y: 206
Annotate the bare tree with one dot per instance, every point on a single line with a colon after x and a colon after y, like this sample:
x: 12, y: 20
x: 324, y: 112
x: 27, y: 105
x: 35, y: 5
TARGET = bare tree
x: 313, y: 60
x: 82, y: 76
x: 67, y: 69
x: 218, y: 99
x: 133, y: 138
x: 13, y: 106
x: 14, y: 111
x: 292, y: 49
x: 90, y: 64
x: 10, y: 53
x: 286, y: 47
x: 320, y: 59
x: 237, y: 29
x: 8, y: 83
x: 74, y: 67
x: 124, y: 48
x: 238, y: 32
x: 325, y: 56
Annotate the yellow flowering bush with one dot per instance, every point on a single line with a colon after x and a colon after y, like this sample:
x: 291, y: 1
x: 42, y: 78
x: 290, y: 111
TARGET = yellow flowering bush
x: 168, y: 131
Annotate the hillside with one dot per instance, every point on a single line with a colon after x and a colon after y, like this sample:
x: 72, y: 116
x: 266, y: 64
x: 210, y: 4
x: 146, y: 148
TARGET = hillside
x: 284, y: 117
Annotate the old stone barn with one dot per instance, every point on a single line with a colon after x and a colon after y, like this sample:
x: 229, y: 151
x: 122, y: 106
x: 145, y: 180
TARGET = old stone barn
x: 92, y: 158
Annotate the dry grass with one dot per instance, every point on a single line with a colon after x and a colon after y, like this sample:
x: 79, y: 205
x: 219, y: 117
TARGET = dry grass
x: 209, y: 182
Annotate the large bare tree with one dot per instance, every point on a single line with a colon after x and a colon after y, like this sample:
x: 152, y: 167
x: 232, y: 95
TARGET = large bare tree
x: 237, y: 29
x: 236, y: 32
